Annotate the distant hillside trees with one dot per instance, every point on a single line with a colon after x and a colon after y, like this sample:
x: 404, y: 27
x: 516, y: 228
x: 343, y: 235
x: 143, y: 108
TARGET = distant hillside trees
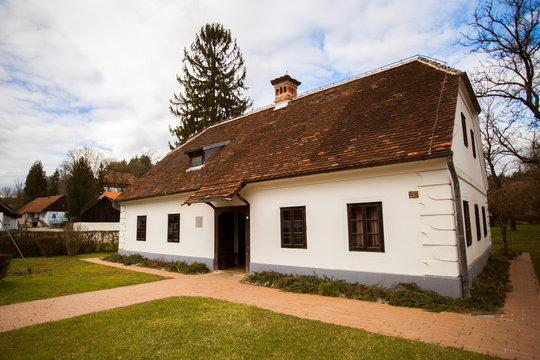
x: 212, y: 83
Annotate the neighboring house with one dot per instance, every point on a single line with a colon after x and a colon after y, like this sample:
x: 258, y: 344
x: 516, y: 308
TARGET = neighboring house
x: 8, y: 217
x: 118, y: 181
x: 379, y: 179
x: 47, y: 211
x: 103, y: 215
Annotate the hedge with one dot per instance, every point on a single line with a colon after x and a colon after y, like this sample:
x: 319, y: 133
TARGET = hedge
x: 52, y: 243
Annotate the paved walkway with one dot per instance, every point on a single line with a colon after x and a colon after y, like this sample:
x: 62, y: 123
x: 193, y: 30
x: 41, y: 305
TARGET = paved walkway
x: 513, y: 334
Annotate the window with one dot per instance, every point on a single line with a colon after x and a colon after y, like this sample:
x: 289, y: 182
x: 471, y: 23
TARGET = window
x: 173, y: 228
x: 464, y: 127
x: 141, y: 228
x: 196, y: 158
x: 473, y: 145
x: 468, y: 235
x: 477, y: 219
x: 293, y: 227
x: 365, y: 227
x: 484, y: 222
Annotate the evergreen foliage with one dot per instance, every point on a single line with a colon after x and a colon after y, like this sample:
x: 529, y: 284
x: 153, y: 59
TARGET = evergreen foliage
x: 81, y: 187
x: 54, y: 183
x: 36, y: 182
x: 212, y: 81
x: 137, y: 166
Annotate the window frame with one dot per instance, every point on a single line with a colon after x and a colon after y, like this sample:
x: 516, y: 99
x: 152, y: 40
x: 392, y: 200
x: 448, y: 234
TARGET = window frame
x: 473, y: 144
x: 464, y: 128
x: 140, y: 234
x: 176, y: 233
x: 484, y: 221
x: 365, y: 247
x: 477, y: 220
x: 196, y: 154
x: 467, y: 220
x: 292, y: 245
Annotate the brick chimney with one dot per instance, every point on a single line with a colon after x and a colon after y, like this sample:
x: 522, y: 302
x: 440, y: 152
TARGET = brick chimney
x: 285, y: 90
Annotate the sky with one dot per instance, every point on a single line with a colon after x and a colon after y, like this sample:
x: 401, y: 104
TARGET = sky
x: 101, y: 73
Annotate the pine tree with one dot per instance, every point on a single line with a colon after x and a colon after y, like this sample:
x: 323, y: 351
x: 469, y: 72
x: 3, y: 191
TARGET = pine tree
x: 81, y: 187
x: 211, y: 84
x: 36, y: 182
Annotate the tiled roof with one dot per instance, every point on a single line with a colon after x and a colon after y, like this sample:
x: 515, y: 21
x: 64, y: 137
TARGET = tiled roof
x: 6, y: 209
x: 110, y: 194
x: 386, y: 117
x: 119, y: 178
x: 39, y: 204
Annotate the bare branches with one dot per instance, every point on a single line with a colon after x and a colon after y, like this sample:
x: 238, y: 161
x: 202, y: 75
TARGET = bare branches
x: 508, y: 31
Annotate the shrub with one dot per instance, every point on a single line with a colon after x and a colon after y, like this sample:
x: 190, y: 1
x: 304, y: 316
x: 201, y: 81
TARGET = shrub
x: 328, y: 288
x: 173, y: 266
x: 47, y: 245
x: 488, y: 292
x: 73, y: 240
x: 5, y: 260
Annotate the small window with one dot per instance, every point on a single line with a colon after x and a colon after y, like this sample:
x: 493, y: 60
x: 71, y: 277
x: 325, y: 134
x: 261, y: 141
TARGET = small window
x: 477, y: 219
x: 196, y: 158
x: 464, y: 127
x: 365, y: 227
x: 141, y: 228
x: 473, y: 144
x: 173, y: 228
x: 293, y: 227
x: 466, y: 215
x: 484, y: 222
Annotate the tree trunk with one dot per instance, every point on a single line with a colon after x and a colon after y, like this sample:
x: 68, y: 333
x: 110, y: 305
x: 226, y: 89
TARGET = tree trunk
x: 503, y: 226
x: 513, y: 223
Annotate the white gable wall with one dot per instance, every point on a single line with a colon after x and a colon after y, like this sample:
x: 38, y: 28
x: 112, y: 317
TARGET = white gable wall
x: 196, y: 244
x: 472, y: 179
x: 8, y: 222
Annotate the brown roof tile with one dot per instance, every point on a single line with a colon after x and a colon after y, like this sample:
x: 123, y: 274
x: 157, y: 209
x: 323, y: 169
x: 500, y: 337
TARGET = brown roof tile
x: 6, y: 209
x: 386, y: 117
x: 39, y: 204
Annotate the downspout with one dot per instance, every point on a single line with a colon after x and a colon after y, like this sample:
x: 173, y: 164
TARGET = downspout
x: 463, y: 268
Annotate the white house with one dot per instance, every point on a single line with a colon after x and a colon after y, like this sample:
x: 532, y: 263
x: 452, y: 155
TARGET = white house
x: 379, y: 179
x: 48, y: 210
x: 8, y: 217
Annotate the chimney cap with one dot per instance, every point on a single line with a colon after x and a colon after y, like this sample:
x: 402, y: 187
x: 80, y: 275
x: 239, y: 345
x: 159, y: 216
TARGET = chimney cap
x: 285, y: 78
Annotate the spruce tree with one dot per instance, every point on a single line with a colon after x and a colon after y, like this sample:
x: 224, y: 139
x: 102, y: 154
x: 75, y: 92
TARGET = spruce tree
x: 54, y: 183
x: 81, y: 187
x: 36, y: 182
x: 212, y: 83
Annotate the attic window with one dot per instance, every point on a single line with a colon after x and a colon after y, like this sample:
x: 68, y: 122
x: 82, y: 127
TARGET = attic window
x: 196, y: 158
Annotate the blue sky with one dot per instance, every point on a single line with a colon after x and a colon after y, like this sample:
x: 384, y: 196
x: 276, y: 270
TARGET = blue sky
x: 101, y: 73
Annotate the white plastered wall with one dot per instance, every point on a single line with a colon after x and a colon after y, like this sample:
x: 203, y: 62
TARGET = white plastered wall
x: 8, y: 222
x: 96, y: 226
x: 419, y: 233
x: 194, y: 242
x: 471, y: 173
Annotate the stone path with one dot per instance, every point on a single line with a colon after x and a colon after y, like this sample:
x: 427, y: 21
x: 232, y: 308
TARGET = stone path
x: 513, y: 334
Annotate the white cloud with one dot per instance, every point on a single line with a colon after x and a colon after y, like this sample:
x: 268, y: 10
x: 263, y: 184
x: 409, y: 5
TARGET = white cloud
x: 101, y: 72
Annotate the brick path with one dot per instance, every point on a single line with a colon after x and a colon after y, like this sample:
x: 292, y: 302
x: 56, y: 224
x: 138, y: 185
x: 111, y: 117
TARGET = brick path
x: 513, y: 334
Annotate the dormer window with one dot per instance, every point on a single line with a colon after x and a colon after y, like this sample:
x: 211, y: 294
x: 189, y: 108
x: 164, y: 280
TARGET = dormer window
x: 196, y: 158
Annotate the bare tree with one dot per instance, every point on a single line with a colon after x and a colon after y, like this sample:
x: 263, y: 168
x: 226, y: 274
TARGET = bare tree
x: 507, y: 32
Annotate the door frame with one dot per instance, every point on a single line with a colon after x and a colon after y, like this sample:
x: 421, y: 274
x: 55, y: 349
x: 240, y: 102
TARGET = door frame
x: 244, y: 209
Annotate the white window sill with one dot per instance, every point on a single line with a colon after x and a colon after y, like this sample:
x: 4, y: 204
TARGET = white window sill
x: 194, y: 168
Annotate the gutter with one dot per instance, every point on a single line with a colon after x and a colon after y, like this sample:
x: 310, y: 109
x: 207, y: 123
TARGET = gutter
x: 463, y: 268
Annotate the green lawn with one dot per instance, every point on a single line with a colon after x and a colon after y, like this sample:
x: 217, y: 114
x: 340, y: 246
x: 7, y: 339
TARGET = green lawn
x: 200, y: 328
x: 63, y: 275
x: 526, y: 239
